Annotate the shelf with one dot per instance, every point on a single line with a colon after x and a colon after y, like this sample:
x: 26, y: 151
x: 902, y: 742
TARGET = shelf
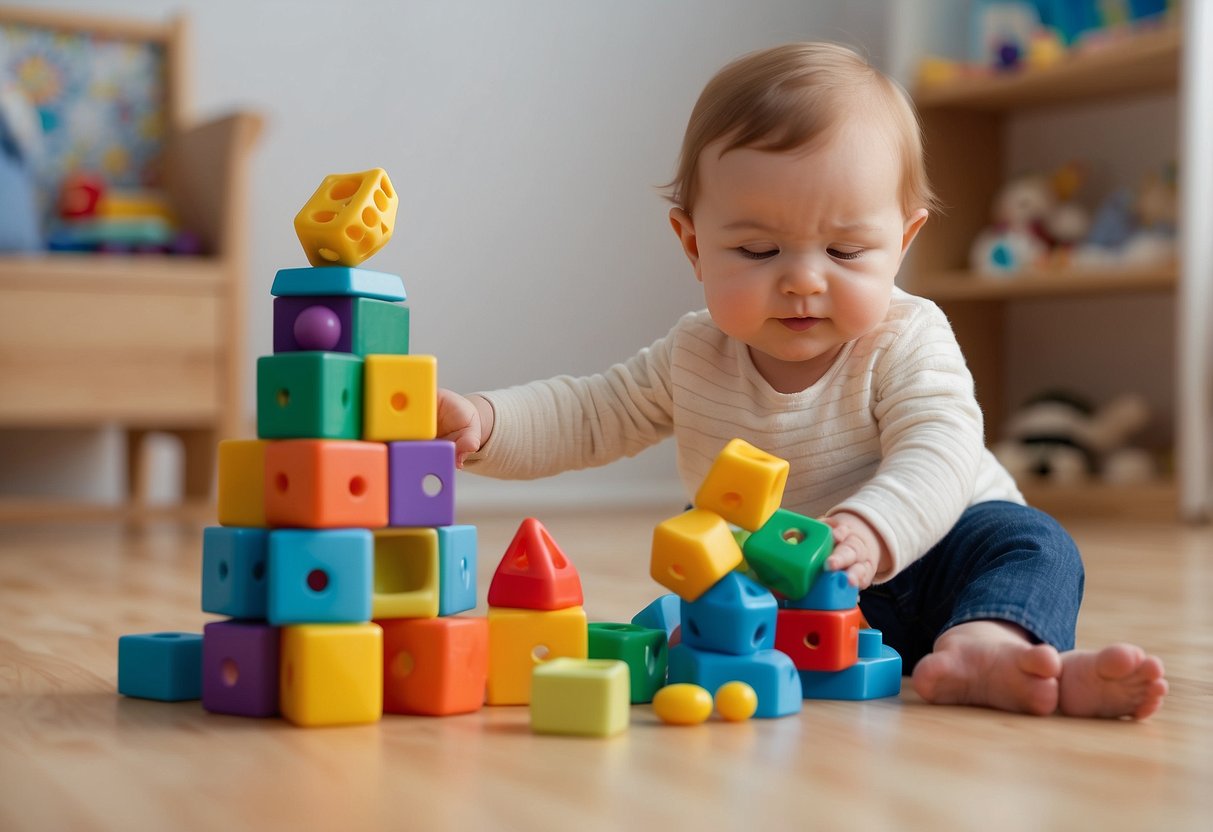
x: 1155, y: 501
x: 1142, y: 62
x: 112, y: 272
x: 965, y: 285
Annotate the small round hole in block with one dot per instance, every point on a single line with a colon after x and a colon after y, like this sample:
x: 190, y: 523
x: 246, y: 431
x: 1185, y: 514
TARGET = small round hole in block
x: 354, y: 232
x: 465, y: 574
x: 282, y: 483
x: 344, y: 188
x: 386, y: 187
x: 759, y: 634
x: 676, y: 572
x: 323, y: 216
x: 381, y: 200
x: 283, y: 397
x: 317, y: 580
x: 223, y: 570
x: 793, y: 537
x: 401, y: 665
x: 229, y: 673
x: 357, y: 486
x: 812, y: 640
x: 329, y: 254
x: 259, y: 571
x: 730, y: 499
x: 431, y: 485
x: 370, y: 217
x: 540, y: 653
x: 399, y: 401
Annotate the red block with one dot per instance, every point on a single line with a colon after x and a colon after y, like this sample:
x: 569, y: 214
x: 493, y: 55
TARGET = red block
x: 819, y: 639
x: 434, y: 666
x: 534, y: 574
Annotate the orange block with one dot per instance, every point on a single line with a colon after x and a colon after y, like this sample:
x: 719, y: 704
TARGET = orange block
x: 434, y: 666
x: 326, y: 483
x: 534, y: 574
x: 819, y: 639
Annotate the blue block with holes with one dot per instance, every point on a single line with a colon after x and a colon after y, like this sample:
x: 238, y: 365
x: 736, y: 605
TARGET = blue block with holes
x: 664, y: 613
x: 456, y: 569
x: 831, y: 591
x: 876, y: 675
x: 162, y: 666
x: 234, y: 566
x: 320, y: 576
x: 736, y: 615
x: 770, y: 673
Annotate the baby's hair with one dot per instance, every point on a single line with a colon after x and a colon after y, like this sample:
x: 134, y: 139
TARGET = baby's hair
x: 787, y: 97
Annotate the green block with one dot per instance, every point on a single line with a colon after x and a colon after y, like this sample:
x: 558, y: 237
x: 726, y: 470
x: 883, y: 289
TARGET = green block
x: 642, y: 649
x: 581, y: 697
x: 309, y: 395
x: 380, y: 328
x: 789, y: 552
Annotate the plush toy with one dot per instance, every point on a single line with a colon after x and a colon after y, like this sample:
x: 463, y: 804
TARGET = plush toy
x: 1059, y: 438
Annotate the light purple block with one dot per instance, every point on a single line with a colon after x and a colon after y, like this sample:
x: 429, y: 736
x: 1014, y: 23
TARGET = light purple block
x: 240, y: 668
x: 421, y: 483
x: 286, y: 314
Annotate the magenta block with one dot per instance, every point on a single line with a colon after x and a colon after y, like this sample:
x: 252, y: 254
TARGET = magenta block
x: 240, y: 668
x: 334, y: 328
x: 421, y: 483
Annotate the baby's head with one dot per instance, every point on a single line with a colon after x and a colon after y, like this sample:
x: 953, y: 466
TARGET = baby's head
x: 793, y: 96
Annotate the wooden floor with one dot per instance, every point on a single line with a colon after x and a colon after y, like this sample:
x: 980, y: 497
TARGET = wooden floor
x: 76, y: 756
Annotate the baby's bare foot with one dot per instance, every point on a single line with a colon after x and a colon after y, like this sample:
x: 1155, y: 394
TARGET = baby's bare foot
x: 1120, y: 680
x: 991, y: 664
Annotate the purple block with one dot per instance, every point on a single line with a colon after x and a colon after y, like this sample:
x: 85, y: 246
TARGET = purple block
x: 240, y: 668
x: 335, y: 328
x: 421, y: 483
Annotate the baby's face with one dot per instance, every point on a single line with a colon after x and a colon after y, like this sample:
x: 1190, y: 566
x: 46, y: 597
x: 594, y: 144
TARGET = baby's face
x: 797, y: 250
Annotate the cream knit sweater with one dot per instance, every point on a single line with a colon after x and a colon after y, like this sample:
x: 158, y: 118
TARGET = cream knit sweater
x: 891, y: 432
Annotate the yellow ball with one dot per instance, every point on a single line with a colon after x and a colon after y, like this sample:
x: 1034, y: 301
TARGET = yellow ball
x: 736, y: 701
x: 682, y: 704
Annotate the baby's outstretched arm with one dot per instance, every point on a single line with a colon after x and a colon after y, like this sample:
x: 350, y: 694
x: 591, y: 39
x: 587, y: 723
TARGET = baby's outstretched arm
x: 858, y: 549
x: 466, y: 421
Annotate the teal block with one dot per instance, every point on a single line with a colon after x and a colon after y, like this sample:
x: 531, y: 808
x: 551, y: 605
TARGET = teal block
x: 456, y: 569
x: 735, y: 615
x: 831, y: 591
x: 664, y: 613
x: 788, y: 552
x: 642, y: 648
x: 234, y: 566
x: 876, y: 675
x: 320, y: 576
x: 309, y: 395
x: 162, y: 666
x: 338, y: 280
x: 770, y: 673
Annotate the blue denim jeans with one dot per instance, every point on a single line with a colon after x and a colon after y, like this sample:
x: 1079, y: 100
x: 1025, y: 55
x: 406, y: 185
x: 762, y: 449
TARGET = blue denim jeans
x: 1001, y: 561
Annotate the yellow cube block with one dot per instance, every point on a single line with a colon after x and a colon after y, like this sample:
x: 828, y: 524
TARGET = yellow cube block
x: 331, y: 674
x: 744, y: 485
x: 693, y: 551
x: 242, y: 482
x: 520, y: 639
x: 582, y: 697
x: 406, y: 573
x: 400, y: 397
x: 348, y: 219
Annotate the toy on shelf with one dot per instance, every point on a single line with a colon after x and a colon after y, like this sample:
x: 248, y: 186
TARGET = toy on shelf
x: 95, y: 216
x: 1134, y: 227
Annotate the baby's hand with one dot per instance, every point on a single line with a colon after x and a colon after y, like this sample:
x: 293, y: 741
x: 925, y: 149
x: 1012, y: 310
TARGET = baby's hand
x: 463, y: 421
x: 858, y: 549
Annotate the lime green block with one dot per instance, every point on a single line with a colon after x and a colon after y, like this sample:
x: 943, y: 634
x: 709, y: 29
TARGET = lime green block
x: 380, y: 328
x: 644, y: 651
x: 788, y: 552
x: 582, y: 697
x: 309, y: 395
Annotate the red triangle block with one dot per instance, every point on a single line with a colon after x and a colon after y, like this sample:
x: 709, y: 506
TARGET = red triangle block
x: 534, y: 574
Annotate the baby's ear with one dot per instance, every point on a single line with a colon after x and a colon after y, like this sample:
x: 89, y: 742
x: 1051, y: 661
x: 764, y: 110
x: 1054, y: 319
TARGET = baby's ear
x: 914, y: 224
x: 684, y: 230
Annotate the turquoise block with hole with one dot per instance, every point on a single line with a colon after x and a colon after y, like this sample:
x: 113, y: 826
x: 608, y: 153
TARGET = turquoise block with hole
x: 664, y: 613
x: 162, y: 666
x: 643, y: 649
x: 831, y: 591
x: 788, y: 552
x: 736, y: 615
x: 234, y: 567
x: 456, y: 569
x: 309, y: 395
x: 876, y: 675
x: 320, y: 576
x: 770, y: 673
x: 338, y: 280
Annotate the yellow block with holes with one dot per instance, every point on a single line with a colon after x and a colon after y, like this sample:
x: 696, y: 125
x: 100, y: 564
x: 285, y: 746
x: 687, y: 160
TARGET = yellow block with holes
x: 348, y: 219
x: 331, y: 674
x: 693, y: 551
x: 744, y: 485
x: 581, y: 697
x: 406, y: 573
x: 400, y: 397
x: 520, y: 639
x: 242, y: 482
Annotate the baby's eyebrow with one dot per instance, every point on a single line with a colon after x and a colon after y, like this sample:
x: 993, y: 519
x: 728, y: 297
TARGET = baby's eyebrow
x: 840, y: 227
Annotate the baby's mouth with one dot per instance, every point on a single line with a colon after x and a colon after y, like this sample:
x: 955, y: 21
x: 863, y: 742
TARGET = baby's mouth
x: 799, y: 324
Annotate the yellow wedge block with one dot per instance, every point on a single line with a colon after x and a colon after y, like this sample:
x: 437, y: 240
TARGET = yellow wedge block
x: 693, y: 551
x: 242, y: 482
x: 744, y: 485
x: 331, y: 674
x: 520, y: 639
x: 400, y: 397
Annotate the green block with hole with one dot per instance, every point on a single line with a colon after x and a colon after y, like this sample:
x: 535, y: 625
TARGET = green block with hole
x: 789, y: 552
x: 642, y: 649
x: 309, y: 395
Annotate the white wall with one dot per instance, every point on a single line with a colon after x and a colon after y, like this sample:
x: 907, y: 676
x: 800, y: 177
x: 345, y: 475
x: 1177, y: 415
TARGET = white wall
x: 525, y: 139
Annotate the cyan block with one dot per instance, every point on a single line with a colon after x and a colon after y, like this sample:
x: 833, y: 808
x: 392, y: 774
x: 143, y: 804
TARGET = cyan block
x: 456, y: 569
x: 664, y: 613
x: 320, y: 576
x: 770, y: 673
x: 234, y: 565
x: 643, y: 649
x: 162, y: 666
x: 831, y: 591
x: 735, y: 616
x: 876, y: 675
x: 338, y: 280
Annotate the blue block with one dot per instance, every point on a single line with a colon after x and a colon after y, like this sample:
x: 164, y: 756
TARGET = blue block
x: 456, y: 569
x: 234, y: 566
x: 321, y: 576
x: 665, y: 613
x: 736, y: 615
x: 770, y: 673
x: 831, y: 591
x: 162, y: 666
x: 338, y: 280
x: 876, y: 675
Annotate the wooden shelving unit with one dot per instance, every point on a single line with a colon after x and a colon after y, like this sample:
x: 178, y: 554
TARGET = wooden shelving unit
x: 964, y: 124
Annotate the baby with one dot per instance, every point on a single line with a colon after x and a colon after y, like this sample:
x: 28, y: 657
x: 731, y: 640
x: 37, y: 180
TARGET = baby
x: 800, y: 187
